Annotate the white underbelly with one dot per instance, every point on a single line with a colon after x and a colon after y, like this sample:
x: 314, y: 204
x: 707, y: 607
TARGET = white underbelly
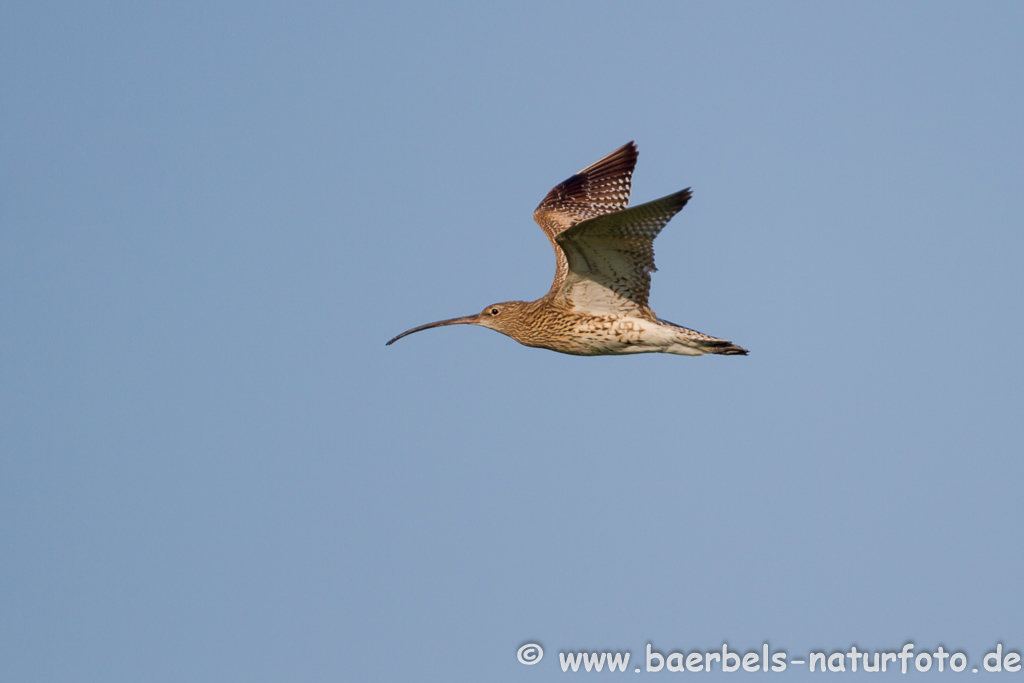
x: 632, y: 335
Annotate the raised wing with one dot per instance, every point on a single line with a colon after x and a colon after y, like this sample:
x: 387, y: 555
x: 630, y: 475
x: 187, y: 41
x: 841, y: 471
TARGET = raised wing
x: 600, y: 188
x: 611, y: 257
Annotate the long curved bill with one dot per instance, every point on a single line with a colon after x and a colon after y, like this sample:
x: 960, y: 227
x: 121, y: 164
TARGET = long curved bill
x: 465, y: 320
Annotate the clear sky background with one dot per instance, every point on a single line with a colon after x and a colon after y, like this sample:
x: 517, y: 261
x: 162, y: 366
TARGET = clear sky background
x: 213, y: 215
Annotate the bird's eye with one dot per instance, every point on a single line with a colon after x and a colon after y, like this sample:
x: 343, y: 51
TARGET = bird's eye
x: 494, y: 311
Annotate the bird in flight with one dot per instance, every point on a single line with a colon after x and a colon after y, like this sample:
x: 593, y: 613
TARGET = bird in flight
x: 604, y: 255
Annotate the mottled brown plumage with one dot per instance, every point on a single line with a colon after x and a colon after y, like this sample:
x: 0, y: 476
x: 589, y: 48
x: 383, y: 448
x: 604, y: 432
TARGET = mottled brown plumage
x: 604, y: 256
x: 598, y: 189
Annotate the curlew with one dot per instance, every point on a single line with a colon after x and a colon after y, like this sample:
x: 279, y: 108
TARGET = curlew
x: 597, y: 304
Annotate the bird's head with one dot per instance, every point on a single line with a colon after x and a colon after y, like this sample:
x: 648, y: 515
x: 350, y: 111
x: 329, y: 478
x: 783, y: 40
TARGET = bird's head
x: 506, y: 317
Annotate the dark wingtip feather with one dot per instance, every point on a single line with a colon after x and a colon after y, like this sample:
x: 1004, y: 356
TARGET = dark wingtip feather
x: 681, y: 198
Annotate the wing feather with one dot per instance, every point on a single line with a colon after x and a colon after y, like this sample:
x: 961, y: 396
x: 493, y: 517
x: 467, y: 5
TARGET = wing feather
x: 599, y: 189
x: 610, y: 258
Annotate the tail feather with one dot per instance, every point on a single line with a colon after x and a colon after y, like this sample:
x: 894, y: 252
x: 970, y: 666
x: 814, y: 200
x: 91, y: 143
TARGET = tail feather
x: 723, y: 347
x: 705, y: 342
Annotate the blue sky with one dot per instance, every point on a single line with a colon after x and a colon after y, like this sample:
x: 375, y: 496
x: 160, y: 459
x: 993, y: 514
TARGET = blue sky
x: 215, y: 214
